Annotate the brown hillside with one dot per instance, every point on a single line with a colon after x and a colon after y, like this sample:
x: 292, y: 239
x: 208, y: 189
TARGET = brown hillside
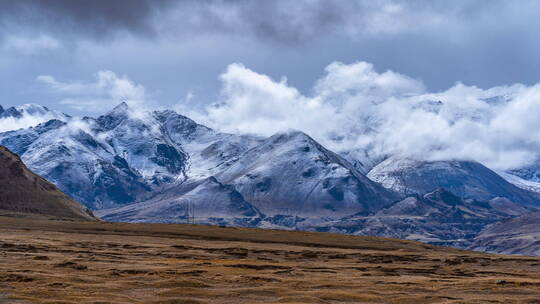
x: 23, y: 192
x: 74, y: 262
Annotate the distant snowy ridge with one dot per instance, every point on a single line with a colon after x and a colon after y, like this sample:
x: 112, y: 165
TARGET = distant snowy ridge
x: 27, y: 115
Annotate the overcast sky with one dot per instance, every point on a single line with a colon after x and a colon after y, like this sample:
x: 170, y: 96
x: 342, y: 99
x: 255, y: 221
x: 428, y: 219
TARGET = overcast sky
x: 176, y: 50
x: 433, y: 80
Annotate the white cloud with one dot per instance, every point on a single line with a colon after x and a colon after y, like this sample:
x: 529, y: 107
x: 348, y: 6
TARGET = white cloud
x: 11, y: 123
x: 30, y: 115
x: 254, y: 103
x: 107, y: 89
x: 361, y: 79
x: 355, y: 108
x: 30, y: 45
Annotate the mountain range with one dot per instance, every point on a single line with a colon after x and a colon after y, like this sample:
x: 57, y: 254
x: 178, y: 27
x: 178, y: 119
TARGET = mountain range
x: 160, y: 166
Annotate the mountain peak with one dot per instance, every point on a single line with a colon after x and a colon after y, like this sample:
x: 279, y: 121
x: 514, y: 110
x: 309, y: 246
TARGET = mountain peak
x: 11, y: 112
x: 171, y: 115
x: 291, y: 133
x: 32, y: 109
x: 114, y: 117
x: 289, y: 136
x: 122, y: 107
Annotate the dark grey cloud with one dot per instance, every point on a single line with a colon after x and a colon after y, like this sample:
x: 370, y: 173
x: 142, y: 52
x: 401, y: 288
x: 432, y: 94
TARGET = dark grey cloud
x: 283, y: 21
x: 177, y: 47
x: 96, y: 18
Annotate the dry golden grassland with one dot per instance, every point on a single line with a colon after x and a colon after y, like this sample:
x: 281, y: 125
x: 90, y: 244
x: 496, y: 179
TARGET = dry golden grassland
x: 44, y: 261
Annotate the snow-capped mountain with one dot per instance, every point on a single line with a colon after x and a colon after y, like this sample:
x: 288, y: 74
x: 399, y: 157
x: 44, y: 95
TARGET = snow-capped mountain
x: 529, y: 173
x: 83, y: 163
x: 530, y: 185
x: 122, y: 157
x: 77, y: 163
x: 32, y: 110
x: 466, y: 179
x: 290, y: 172
x: 27, y: 115
x: 287, y: 176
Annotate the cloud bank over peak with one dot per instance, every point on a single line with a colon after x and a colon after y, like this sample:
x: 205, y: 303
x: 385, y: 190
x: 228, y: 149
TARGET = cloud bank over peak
x: 353, y: 107
x: 26, y: 115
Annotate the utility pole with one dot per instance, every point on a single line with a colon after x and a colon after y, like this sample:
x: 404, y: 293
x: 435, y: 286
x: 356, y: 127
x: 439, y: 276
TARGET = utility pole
x: 192, y: 213
x: 188, y: 212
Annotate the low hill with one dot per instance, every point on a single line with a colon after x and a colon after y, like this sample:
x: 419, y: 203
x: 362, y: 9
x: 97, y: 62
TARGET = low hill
x: 520, y: 235
x: 438, y: 217
x: 23, y: 192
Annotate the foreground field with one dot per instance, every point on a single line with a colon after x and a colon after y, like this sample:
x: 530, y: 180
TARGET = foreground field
x: 45, y: 261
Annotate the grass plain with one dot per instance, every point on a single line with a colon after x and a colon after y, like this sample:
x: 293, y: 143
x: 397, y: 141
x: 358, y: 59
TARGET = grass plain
x: 48, y: 261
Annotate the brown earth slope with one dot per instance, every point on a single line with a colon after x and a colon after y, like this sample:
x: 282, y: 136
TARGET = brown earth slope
x: 518, y: 235
x: 94, y: 262
x: 22, y: 192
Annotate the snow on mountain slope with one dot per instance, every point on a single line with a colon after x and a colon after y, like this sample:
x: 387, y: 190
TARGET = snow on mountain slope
x: 520, y: 182
x: 38, y: 110
x: 27, y: 115
x: 89, y: 163
x: 289, y: 177
x: 291, y: 174
x: 139, y: 141
x: 207, y: 201
x: 77, y: 163
x: 530, y: 173
x: 466, y: 179
x: 123, y: 156
x: 206, y: 148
